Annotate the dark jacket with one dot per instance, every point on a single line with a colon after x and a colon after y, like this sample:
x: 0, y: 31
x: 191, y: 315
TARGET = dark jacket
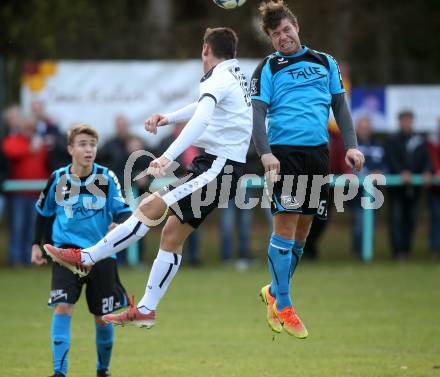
x: 407, y: 152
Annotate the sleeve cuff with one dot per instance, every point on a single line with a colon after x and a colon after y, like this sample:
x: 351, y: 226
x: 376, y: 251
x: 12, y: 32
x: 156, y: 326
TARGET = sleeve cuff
x: 208, y: 95
x: 169, y: 156
x: 171, y: 118
x: 253, y: 98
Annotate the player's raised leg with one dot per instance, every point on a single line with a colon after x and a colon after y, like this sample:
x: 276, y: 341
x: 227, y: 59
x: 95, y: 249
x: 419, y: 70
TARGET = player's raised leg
x: 149, y: 213
x: 162, y: 272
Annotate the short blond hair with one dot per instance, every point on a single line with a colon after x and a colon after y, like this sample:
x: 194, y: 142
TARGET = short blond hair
x: 81, y: 128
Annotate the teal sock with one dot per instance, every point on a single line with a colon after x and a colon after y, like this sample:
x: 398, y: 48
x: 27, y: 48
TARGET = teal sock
x: 104, y: 345
x: 297, y: 252
x: 279, y: 255
x: 60, y: 342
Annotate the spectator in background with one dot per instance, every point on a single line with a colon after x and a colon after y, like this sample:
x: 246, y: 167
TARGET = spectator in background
x: 230, y: 216
x: 134, y: 144
x: 371, y: 109
x: 45, y: 126
x: 114, y: 152
x: 434, y: 197
x: 406, y: 153
x: 4, y: 172
x: 374, y: 163
x: 54, y: 140
x: 27, y: 155
x: 13, y: 119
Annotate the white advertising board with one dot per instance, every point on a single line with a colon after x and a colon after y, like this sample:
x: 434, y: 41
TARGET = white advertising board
x: 95, y: 92
x: 422, y: 100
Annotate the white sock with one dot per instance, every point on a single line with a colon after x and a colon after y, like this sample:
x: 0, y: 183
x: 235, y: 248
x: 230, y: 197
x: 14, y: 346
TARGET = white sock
x: 164, y: 269
x: 118, y: 239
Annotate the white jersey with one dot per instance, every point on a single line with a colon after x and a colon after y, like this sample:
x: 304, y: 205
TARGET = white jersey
x: 230, y: 128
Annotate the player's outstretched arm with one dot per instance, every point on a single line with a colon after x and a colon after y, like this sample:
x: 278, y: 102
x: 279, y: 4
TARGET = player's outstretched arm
x: 154, y: 121
x: 191, y: 132
x: 194, y: 128
x: 181, y: 115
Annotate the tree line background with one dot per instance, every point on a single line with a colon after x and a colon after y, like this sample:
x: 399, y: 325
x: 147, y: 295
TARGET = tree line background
x: 383, y: 42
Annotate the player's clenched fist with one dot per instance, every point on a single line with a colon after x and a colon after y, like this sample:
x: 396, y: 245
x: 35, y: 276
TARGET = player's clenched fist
x: 157, y: 167
x: 355, y: 159
x: 155, y: 121
x: 271, y: 167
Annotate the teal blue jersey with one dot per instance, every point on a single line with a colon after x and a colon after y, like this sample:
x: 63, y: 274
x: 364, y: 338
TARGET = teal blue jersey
x: 298, y: 90
x: 83, y: 208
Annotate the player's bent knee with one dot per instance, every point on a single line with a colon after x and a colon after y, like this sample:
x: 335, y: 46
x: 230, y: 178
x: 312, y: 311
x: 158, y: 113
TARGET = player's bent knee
x: 66, y: 309
x: 152, y: 210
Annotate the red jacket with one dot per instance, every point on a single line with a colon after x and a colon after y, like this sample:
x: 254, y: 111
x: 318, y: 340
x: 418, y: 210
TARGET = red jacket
x: 434, y: 151
x: 25, y: 164
x: 337, y: 155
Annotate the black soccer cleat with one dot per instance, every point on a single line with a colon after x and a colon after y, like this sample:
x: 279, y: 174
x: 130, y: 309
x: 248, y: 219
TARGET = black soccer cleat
x: 103, y: 373
x: 58, y: 375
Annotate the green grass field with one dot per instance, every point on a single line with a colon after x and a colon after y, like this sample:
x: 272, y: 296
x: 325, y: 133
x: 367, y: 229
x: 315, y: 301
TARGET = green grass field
x: 378, y: 320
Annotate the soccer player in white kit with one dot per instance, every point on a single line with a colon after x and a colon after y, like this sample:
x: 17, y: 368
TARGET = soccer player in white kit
x: 220, y: 123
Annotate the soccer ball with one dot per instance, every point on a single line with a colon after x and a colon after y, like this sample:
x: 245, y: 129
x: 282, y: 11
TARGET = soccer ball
x: 229, y: 4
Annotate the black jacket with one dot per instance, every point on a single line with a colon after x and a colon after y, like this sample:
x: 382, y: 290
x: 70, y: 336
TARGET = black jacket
x: 407, y: 152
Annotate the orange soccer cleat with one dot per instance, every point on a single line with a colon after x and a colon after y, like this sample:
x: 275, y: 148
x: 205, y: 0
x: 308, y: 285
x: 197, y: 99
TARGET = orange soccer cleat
x: 131, y: 316
x: 69, y: 258
x: 271, y: 318
x: 292, y: 324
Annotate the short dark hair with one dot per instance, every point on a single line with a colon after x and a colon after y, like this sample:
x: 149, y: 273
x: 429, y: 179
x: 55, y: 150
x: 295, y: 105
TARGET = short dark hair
x: 405, y: 114
x: 223, y: 42
x: 273, y: 12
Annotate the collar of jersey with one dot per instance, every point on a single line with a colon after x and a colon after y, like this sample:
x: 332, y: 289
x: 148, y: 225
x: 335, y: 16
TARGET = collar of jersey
x: 296, y: 54
x: 75, y: 181
x: 226, y: 64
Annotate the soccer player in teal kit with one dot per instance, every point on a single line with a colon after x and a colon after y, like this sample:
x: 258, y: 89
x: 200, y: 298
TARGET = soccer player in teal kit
x: 294, y: 88
x: 85, y: 199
